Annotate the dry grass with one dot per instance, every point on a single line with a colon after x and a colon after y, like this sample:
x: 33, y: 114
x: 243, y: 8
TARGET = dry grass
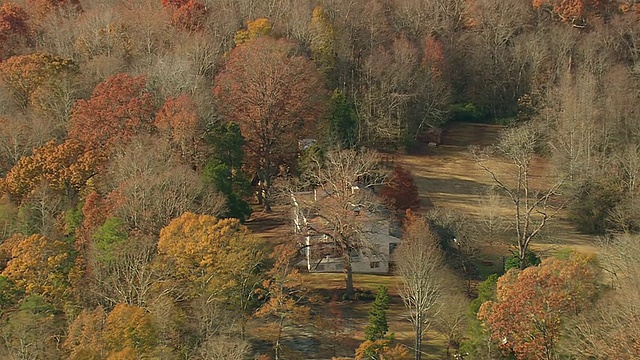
x: 449, y: 177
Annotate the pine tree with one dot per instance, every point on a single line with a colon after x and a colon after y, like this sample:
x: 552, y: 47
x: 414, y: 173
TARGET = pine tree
x: 378, y: 327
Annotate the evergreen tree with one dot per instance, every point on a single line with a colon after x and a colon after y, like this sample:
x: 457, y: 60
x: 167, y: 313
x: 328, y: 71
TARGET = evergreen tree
x: 343, y: 123
x: 224, y: 168
x: 378, y: 327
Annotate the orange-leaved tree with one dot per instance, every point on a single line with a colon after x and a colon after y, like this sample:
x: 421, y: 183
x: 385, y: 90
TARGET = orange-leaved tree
x: 195, y: 246
x: 575, y: 11
x: 84, y: 335
x: 64, y: 168
x: 527, y: 318
x: 255, y: 28
x: 119, y: 108
x: 129, y: 332
x: 275, y: 95
x: 381, y: 349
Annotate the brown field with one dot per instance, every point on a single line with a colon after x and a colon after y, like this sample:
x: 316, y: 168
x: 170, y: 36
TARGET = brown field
x: 447, y: 176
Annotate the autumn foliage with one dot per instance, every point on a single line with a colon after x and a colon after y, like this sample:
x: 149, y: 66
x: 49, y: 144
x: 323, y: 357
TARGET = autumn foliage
x: 178, y: 122
x: 190, y: 16
x: 14, y: 28
x: 573, y: 10
x: 255, y: 28
x: 433, y: 58
x: 275, y: 96
x: 119, y: 108
x: 534, y: 303
x: 401, y: 190
x: 25, y: 74
x: 207, y: 252
x: 186, y: 14
x: 62, y: 167
x: 173, y: 3
x: 37, y: 264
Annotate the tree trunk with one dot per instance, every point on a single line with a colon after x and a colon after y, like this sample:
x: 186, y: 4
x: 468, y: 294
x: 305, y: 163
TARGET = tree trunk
x: 419, y: 338
x: 243, y: 326
x: 349, y: 279
x: 267, y: 203
x: 277, y: 343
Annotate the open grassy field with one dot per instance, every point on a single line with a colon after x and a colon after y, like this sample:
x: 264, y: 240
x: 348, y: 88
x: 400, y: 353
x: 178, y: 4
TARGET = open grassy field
x: 447, y: 176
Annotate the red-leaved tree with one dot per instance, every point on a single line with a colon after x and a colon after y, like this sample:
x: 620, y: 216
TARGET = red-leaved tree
x: 275, y: 95
x: 190, y: 16
x: 119, y: 108
x: 433, y: 56
x: 401, y: 191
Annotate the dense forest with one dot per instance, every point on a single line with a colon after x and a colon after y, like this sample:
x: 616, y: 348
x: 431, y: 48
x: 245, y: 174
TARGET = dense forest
x: 138, y: 136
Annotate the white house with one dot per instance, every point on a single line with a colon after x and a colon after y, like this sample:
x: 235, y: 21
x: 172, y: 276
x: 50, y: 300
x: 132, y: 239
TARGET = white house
x: 320, y: 256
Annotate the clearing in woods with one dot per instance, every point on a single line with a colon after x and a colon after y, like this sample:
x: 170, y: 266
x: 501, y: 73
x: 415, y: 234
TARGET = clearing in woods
x: 448, y: 177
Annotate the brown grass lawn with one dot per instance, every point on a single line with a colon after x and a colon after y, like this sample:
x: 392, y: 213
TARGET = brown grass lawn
x: 447, y: 176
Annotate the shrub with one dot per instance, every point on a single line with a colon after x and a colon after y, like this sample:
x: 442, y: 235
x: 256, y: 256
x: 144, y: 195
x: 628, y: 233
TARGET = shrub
x: 513, y: 261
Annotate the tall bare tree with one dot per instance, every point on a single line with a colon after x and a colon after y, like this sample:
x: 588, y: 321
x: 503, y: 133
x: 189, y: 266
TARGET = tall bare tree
x: 419, y: 262
x: 533, y: 206
x: 343, y: 208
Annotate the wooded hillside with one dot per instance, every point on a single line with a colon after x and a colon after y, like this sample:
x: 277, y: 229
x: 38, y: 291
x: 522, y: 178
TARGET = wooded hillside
x: 138, y: 136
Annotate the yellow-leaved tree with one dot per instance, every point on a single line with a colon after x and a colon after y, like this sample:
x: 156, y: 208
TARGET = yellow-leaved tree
x: 38, y: 266
x: 217, y: 259
x: 255, y: 28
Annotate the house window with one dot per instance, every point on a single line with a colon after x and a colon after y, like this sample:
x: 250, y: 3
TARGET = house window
x: 354, y: 255
x: 392, y: 248
x: 375, y: 264
x: 320, y: 268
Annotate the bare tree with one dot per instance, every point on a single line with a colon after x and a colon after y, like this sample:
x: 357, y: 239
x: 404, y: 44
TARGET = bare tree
x: 491, y: 221
x: 572, y: 113
x: 150, y: 187
x: 611, y: 329
x: 533, y: 207
x: 452, y: 321
x: 419, y: 262
x: 224, y: 348
x: 421, y: 17
x: 458, y: 236
x: 400, y: 95
x: 127, y: 276
x: 343, y: 207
